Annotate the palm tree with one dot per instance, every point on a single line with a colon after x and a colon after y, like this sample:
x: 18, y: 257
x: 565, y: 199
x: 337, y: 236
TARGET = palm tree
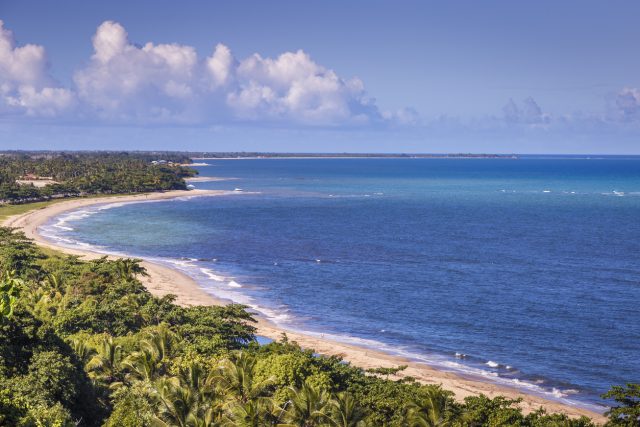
x: 105, y: 364
x: 308, y: 407
x: 236, y: 377
x: 187, y: 400
x: 176, y: 403
x: 128, y: 269
x: 160, y: 342
x: 258, y: 412
x: 430, y: 410
x: 140, y: 365
x: 155, y: 350
x: 55, y: 282
x: 346, y: 412
x: 84, y: 352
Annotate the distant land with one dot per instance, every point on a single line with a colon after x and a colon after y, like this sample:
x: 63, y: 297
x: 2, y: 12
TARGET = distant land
x: 202, y: 155
x: 242, y: 155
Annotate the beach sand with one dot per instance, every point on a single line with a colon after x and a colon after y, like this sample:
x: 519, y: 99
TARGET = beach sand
x: 163, y: 280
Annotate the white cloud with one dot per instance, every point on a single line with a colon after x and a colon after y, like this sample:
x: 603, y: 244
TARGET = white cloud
x: 528, y: 112
x: 627, y: 105
x: 169, y: 82
x: 25, y: 84
x: 126, y: 82
x: 220, y: 66
x: 294, y: 87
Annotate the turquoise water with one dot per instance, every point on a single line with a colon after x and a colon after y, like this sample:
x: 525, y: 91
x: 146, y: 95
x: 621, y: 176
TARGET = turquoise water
x: 525, y: 272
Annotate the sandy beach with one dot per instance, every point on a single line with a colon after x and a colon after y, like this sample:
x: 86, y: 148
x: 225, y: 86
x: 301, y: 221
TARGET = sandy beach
x: 163, y: 280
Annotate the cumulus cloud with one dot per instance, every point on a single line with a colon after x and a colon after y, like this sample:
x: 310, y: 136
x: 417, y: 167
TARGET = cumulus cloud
x: 627, y: 105
x: 220, y: 66
x: 25, y: 84
x: 124, y: 81
x: 169, y: 82
x: 527, y: 112
x: 293, y: 86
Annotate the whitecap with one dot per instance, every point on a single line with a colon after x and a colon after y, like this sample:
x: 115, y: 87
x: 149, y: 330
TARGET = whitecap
x: 492, y: 364
x: 211, y: 275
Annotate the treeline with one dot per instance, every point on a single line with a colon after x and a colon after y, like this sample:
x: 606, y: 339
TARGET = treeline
x: 252, y: 154
x: 76, y: 174
x: 82, y: 343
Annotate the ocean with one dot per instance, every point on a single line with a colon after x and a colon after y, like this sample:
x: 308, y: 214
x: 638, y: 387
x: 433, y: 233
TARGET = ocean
x: 522, y: 271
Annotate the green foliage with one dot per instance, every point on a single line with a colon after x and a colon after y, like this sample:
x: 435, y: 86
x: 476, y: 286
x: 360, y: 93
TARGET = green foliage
x: 17, y: 254
x: 212, y: 329
x: 77, y: 174
x: 626, y: 412
x: 132, y: 406
x: 387, y: 371
x: 9, y: 292
x: 483, y: 411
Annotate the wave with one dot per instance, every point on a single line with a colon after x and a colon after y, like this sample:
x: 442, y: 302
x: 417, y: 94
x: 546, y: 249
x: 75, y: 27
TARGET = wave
x: 612, y: 193
x: 352, y: 196
x: 234, y: 284
x: 442, y: 362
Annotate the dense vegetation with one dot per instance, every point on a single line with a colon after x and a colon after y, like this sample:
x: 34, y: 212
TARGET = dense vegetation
x: 78, y: 174
x: 83, y: 343
x: 251, y: 154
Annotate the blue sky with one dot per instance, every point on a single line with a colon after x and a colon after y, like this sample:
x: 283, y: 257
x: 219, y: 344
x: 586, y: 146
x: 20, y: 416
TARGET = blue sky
x: 492, y: 76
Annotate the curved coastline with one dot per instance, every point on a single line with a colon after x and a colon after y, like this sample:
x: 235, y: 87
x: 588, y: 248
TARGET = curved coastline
x: 163, y: 280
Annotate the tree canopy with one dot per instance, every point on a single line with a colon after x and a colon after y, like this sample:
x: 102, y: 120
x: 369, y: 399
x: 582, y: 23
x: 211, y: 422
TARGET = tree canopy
x: 76, y: 174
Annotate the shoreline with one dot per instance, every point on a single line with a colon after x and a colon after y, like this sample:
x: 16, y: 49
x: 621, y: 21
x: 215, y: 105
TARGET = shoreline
x: 163, y: 280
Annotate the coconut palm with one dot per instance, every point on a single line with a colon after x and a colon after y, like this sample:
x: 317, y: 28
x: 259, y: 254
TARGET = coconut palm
x: 308, y: 406
x: 345, y: 411
x: 236, y: 378
x: 429, y: 410
x: 176, y: 403
x: 155, y: 350
x: 258, y: 412
x: 128, y: 269
x: 55, y: 282
x: 83, y: 351
x: 187, y: 400
x: 105, y: 364
x: 140, y: 365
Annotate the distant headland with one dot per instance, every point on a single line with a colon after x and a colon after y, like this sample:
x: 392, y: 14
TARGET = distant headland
x: 259, y: 155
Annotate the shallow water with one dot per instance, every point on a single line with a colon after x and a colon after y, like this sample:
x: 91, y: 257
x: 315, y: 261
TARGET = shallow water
x: 524, y: 271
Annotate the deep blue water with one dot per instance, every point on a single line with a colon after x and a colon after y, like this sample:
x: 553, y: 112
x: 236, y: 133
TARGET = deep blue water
x: 529, y: 267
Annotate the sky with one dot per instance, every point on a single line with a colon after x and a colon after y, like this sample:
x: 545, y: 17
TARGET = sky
x: 355, y: 76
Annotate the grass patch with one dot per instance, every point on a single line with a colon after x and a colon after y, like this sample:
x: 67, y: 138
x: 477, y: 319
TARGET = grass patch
x: 9, y: 210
